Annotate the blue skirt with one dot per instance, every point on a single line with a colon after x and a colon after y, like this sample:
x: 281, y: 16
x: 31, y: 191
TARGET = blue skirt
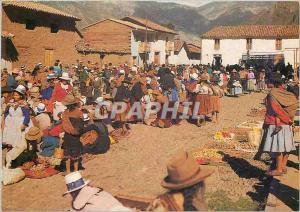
x: 281, y: 142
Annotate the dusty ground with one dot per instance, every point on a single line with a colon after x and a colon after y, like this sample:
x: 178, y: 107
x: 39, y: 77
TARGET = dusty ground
x: 136, y: 165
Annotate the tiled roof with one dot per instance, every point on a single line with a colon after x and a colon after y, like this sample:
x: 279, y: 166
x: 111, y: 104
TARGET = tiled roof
x: 149, y: 24
x: 193, y: 48
x: 85, y: 46
x: 37, y: 7
x: 178, y: 44
x: 7, y: 35
x: 126, y: 23
x: 253, y: 31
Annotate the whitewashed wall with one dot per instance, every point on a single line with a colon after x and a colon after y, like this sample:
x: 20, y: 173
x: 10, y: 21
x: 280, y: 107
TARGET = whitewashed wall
x: 233, y: 49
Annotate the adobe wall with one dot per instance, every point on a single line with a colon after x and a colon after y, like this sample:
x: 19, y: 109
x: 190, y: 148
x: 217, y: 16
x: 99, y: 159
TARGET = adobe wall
x: 30, y: 45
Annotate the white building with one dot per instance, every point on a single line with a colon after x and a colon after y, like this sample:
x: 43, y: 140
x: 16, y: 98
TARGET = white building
x: 229, y: 44
x: 185, y: 53
x: 158, y: 46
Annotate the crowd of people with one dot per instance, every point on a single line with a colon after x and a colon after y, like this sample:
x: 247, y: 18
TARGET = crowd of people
x: 63, y: 105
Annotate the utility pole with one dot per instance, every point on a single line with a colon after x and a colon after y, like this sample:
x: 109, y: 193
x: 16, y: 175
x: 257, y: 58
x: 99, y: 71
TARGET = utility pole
x: 146, y: 42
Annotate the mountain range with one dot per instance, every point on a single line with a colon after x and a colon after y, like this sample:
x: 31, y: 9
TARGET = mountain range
x: 189, y: 21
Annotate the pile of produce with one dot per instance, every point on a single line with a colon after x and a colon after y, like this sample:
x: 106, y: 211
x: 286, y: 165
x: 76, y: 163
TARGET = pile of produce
x: 209, y: 155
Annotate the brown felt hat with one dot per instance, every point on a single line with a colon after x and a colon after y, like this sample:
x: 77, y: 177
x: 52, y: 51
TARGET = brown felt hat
x: 33, y: 134
x: 156, y: 92
x: 70, y: 100
x: 183, y: 172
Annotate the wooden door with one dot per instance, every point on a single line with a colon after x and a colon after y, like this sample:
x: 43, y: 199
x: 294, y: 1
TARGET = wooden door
x: 49, y: 57
x: 157, y: 58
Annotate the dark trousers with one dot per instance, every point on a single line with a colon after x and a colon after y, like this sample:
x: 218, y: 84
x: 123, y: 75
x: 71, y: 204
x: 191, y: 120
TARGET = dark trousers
x: 244, y: 84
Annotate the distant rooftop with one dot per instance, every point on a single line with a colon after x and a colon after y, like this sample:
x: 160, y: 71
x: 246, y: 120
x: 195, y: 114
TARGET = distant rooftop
x: 38, y: 7
x: 253, y: 31
x: 149, y: 24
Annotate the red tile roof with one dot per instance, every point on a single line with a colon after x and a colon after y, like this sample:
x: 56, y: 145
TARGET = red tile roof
x: 126, y: 23
x: 85, y: 46
x: 149, y: 24
x: 38, y: 7
x: 253, y: 31
x: 193, y: 48
x: 178, y: 44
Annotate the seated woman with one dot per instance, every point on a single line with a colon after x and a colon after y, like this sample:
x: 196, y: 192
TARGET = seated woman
x: 33, y: 136
x: 185, y: 181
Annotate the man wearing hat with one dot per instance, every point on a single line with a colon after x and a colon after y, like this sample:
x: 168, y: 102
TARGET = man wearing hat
x: 87, y: 198
x: 185, y: 181
x: 42, y: 119
x: 47, y: 91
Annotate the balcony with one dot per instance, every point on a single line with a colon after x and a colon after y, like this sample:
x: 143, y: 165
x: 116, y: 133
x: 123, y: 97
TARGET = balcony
x: 144, y: 47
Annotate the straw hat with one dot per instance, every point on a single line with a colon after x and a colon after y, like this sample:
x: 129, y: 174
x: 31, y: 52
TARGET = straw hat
x: 183, y: 171
x: 194, y: 76
x: 34, y: 89
x: 21, y: 89
x: 65, y: 76
x: 74, y: 182
x: 156, y: 93
x: 70, y: 100
x: 99, y: 100
x: 41, y: 108
x: 33, y: 134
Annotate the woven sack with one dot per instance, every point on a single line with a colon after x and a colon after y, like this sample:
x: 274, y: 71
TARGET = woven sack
x: 89, y: 137
x: 11, y: 176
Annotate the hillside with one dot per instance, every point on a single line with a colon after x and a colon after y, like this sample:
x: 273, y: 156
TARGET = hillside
x: 189, y: 21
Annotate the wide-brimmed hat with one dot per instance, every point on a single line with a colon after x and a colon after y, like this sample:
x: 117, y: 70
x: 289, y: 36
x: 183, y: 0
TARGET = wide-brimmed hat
x: 41, y: 108
x: 194, y: 76
x: 33, y: 134
x: 99, y: 100
x: 74, y: 182
x: 65, y: 76
x: 183, y: 171
x: 34, y: 89
x: 21, y: 89
x: 156, y: 93
x: 70, y: 100
x: 51, y: 76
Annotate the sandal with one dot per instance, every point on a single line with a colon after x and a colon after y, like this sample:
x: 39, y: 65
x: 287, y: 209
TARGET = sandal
x: 274, y: 173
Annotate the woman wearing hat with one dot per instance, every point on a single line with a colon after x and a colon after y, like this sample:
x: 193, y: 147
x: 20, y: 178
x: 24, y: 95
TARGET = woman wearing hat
x: 278, y: 139
x: 72, y: 125
x: 61, y: 90
x: 87, y: 198
x: 16, y: 118
x: 185, y: 181
x: 33, y: 137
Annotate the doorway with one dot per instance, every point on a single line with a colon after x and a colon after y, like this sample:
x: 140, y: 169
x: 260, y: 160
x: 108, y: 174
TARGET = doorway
x: 49, y: 57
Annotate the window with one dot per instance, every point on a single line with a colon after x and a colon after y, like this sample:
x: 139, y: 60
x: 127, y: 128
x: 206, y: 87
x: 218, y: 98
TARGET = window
x: 156, y: 36
x: 278, y: 44
x: 217, y: 44
x: 249, y: 44
x: 54, y: 28
x: 30, y: 24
